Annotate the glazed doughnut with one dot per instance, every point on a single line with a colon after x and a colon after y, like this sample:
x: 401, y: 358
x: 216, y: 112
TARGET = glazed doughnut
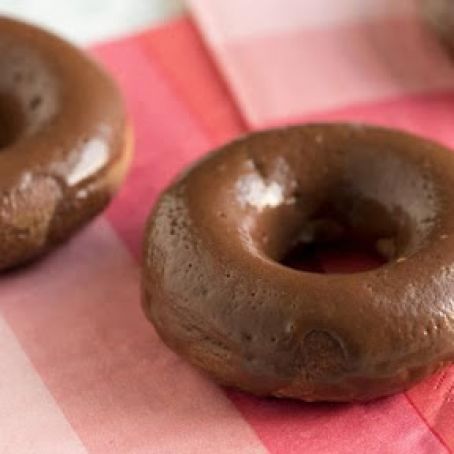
x: 217, y: 293
x: 64, y: 144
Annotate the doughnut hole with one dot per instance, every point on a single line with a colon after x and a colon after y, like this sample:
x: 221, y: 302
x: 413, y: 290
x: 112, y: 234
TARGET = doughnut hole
x: 11, y: 120
x: 28, y: 94
x: 375, y: 208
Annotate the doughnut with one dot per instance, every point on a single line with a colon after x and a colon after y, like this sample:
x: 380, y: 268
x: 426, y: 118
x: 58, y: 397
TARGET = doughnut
x: 218, y: 293
x: 64, y: 143
x: 439, y: 14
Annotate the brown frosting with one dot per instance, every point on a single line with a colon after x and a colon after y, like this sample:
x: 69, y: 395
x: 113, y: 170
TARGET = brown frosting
x: 63, y: 141
x: 217, y: 293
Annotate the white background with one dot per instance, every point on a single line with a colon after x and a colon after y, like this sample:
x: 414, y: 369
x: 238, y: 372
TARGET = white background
x: 88, y: 21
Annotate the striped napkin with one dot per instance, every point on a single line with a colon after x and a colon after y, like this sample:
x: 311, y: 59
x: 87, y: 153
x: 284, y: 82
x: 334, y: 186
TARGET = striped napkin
x: 80, y: 368
x: 292, y: 60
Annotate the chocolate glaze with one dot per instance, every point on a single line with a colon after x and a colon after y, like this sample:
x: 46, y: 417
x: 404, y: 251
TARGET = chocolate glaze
x: 215, y: 289
x: 63, y: 141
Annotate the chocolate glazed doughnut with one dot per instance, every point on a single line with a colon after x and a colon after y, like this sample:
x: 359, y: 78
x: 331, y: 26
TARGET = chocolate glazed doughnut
x: 64, y: 145
x: 218, y: 295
